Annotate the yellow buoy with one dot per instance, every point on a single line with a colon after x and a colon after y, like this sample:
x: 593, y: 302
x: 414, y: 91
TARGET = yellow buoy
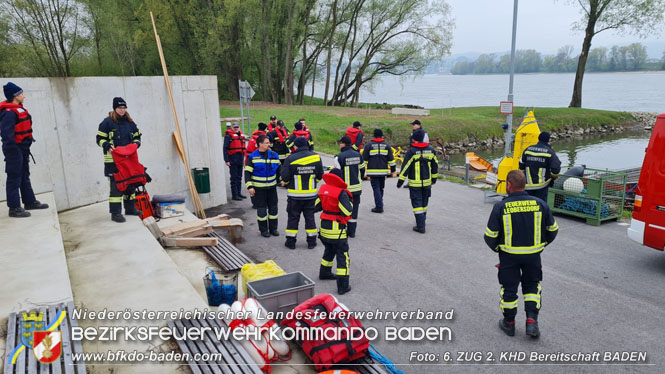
x: 525, y: 136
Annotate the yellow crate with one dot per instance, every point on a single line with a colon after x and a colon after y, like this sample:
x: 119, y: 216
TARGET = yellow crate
x: 252, y: 272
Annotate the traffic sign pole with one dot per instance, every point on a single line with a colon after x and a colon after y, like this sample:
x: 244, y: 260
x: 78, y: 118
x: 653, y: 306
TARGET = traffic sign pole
x: 509, y: 118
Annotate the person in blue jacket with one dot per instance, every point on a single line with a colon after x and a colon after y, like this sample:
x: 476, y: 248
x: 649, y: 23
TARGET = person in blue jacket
x: 16, y: 133
x: 261, y: 182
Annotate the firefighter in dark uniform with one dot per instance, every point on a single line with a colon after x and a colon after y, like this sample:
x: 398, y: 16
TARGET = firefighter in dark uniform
x: 357, y: 136
x: 518, y: 229
x: 352, y: 166
x: 301, y: 173
x: 300, y: 132
x: 541, y: 165
x: 335, y: 202
x: 261, y: 181
x: 234, y: 156
x: 273, y: 123
x: 118, y: 130
x: 420, y: 166
x: 16, y: 133
x: 278, y: 138
x: 380, y: 162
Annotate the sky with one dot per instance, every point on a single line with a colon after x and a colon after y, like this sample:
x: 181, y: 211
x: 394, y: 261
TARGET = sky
x: 485, y: 26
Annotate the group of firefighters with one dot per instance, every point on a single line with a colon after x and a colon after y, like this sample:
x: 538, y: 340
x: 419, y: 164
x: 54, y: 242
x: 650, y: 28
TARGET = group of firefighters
x: 518, y: 229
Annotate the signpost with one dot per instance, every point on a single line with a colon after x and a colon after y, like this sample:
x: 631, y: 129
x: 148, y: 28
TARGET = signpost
x: 509, y: 118
x: 506, y: 107
x: 246, y: 94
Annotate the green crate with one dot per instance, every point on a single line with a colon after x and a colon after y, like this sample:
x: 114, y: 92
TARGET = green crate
x: 596, y: 196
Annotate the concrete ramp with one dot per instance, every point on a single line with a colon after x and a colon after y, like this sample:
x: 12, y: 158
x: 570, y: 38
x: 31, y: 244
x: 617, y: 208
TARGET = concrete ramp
x: 32, y: 257
x: 34, y: 269
x: 118, y: 266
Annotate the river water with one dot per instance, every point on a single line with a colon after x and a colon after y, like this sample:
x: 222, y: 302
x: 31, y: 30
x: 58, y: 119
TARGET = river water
x: 614, y: 151
x: 639, y: 92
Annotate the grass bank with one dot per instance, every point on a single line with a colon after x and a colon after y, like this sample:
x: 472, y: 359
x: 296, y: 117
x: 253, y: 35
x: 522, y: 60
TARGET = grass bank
x: 451, y: 125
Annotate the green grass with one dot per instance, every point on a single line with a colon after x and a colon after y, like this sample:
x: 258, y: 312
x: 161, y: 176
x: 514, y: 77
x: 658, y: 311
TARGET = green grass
x: 451, y: 125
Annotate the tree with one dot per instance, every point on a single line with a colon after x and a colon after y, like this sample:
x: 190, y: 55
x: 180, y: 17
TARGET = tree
x: 639, y: 17
x: 485, y: 64
x: 637, y: 56
x: 53, y: 28
x: 597, y: 59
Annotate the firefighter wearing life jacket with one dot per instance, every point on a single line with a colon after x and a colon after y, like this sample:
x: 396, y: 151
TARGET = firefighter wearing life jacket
x: 380, y: 161
x: 278, y: 138
x: 335, y: 202
x: 261, y: 182
x: 420, y: 166
x: 352, y: 165
x: 518, y: 229
x: 541, y: 166
x: 301, y: 173
x: 16, y: 133
x: 273, y: 123
x: 304, y: 124
x: 357, y: 136
x: 118, y: 130
x: 300, y: 132
x: 415, y: 126
x: 234, y: 156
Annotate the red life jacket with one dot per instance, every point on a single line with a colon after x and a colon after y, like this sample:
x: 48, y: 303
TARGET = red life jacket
x: 130, y: 171
x: 329, y: 194
x: 301, y: 134
x: 251, y: 145
x: 237, y: 144
x: 325, y: 353
x: 352, y: 132
x: 23, y: 127
x: 281, y: 134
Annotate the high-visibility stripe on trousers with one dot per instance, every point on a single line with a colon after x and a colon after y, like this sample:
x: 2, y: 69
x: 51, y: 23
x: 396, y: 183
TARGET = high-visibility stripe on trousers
x: 296, y: 207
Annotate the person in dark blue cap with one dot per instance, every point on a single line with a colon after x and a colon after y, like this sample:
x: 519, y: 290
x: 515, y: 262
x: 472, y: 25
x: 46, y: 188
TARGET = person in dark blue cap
x: 16, y: 133
x: 118, y: 130
x: 541, y: 166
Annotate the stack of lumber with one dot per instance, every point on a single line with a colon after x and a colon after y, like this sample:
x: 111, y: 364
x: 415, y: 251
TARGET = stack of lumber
x: 194, y: 233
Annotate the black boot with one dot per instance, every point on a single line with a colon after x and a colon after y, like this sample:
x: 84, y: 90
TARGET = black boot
x: 532, y: 328
x: 263, y: 228
x: 507, y: 327
x: 117, y: 217
x: 18, y: 212
x: 272, y: 227
x: 325, y: 272
x: 290, y: 242
x: 351, y: 229
x: 311, y: 242
x: 236, y: 198
x: 418, y: 229
x: 377, y: 210
x: 36, y: 205
x: 343, y: 284
x: 241, y: 196
x: 130, y: 209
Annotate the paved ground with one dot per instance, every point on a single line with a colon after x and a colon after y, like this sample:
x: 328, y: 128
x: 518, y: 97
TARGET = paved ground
x: 601, y: 292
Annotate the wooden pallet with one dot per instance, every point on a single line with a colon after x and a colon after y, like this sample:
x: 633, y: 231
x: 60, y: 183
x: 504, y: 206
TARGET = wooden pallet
x: 235, y: 358
x: 226, y: 255
x: 26, y: 362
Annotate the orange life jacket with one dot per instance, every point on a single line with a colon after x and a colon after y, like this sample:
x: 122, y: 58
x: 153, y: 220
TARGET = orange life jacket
x: 329, y: 194
x: 352, y: 132
x: 237, y: 144
x: 23, y: 127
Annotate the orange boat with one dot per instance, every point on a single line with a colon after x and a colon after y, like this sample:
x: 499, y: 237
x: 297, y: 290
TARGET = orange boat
x: 478, y: 163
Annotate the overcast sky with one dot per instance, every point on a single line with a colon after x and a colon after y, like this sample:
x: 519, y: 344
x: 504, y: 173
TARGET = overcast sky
x: 545, y: 25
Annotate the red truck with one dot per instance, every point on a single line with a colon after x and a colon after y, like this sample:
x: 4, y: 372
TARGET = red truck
x: 648, y: 224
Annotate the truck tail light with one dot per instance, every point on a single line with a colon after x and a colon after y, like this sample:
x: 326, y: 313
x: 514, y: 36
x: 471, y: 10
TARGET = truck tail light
x: 638, y: 203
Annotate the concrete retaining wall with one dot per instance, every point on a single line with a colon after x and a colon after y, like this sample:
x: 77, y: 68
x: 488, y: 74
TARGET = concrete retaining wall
x: 412, y: 112
x: 66, y: 113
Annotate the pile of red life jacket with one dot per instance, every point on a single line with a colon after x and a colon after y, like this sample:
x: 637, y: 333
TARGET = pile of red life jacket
x: 326, y: 353
x: 131, y: 172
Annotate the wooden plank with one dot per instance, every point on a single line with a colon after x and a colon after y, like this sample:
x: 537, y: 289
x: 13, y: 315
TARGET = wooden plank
x: 193, y: 348
x: 153, y: 227
x: 11, y: 342
x: 189, y: 242
x: 66, y: 343
x: 218, y: 217
x: 76, y: 345
x: 215, y: 347
x: 56, y: 366
x: 204, y: 230
x: 184, y: 349
x: 183, y: 226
